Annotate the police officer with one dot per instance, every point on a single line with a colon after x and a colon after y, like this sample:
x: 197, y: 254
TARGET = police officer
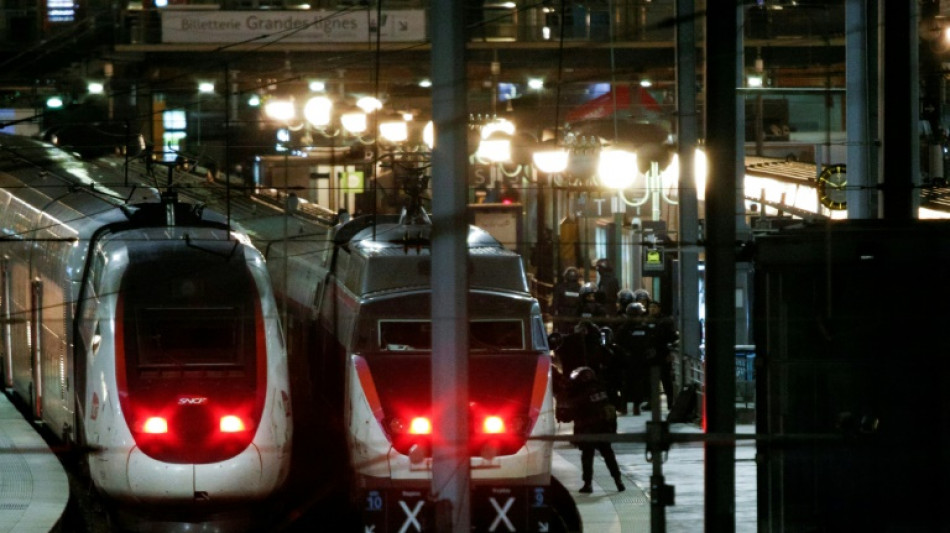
x: 588, y: 308
x: 624, y: 298
x: 566, y: 301
x: 593, y: 414
x: 607, y: 283
x: 642, y: 297
x: 635, y: 342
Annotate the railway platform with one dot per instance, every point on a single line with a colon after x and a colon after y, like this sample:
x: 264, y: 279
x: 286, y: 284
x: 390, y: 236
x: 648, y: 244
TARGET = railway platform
x: 34, y: 489
x: 608, y: 511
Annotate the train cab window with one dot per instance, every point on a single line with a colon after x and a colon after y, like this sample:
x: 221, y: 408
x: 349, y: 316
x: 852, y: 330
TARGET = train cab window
x: 183, y: 337
x: 484, y: 335
x: 405, y: 335
x: 496, y: 335
x: 180, y: 322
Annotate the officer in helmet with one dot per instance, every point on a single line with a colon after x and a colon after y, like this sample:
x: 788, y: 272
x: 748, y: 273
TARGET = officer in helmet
x: 593, y: 414
x: 607, y: 283
x: 635, y: 340
x: 589, y: 308
x: 642, y: 297
x: 566, y: 300
x: 624, y: 298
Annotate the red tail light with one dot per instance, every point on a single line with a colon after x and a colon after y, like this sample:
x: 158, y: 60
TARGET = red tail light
x: 420, y: 426
x: 493, y: 425
x: 155, y: 425
x: 231, y: 424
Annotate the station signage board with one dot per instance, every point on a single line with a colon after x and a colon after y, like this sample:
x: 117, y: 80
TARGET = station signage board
x: 312, y: 26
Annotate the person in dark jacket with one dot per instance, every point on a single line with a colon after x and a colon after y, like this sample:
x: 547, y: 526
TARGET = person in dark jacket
x: 583, y: 347
x: 635, y: 342
x: 593, y: 414
x: 566, y: 300
x: 588, y: 308
x: 608, y: 284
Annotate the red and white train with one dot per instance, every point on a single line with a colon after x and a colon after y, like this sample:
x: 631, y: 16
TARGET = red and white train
x: 145, y: 331
x: 358, y: 297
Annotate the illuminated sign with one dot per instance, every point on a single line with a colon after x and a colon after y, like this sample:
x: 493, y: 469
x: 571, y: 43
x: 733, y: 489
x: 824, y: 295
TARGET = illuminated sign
x: 60, y: 11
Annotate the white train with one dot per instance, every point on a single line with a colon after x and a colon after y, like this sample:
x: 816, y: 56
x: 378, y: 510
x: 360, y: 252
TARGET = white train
x: 143, y: 330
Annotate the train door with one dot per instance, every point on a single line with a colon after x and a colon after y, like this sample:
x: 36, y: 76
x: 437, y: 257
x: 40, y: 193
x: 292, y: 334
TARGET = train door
x: 36, y: 347
x: 19, y: 290
x: 56, y: 365
x: 5, y: 318
x: 53, y: 313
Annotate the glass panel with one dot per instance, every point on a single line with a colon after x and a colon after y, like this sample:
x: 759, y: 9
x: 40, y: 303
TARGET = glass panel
x: 175, y: 337
x: 406, y: 335
x: 403, y: 335
x: 496, y: 335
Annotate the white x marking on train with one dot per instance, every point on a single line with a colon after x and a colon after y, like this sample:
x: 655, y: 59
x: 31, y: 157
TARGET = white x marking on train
x: 411, y: 516
x: 502, y: 514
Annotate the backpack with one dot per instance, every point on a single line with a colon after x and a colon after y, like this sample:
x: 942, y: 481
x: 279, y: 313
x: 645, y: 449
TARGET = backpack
x: 684, y: 408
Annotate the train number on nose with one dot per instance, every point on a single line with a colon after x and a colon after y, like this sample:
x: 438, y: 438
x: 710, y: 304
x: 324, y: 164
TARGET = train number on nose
x: 197, y: 400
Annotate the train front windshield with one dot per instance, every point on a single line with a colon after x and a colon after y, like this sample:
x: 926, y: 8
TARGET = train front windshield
x: 416, y: 335
x: 197, y: 317
x: 181, y: 336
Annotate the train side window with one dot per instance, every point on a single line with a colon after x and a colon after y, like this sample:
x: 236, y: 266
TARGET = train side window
x: 539, y: 336
x: 88, y: 322
x: 5, y: 213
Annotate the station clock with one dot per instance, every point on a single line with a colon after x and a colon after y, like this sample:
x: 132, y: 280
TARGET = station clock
x: 831, y: 187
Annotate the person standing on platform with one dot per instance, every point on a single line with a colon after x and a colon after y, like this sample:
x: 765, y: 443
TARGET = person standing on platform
x: 583, y: 347
x: 593, y: 414
x: 608, y: 283
x: 566, y: 301
x: 635, y: 342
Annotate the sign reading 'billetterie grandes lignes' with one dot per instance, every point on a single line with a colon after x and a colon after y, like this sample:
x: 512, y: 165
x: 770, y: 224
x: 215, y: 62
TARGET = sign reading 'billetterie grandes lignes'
x: 188, y: 26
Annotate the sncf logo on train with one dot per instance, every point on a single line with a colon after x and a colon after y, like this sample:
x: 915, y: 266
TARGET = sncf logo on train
x: 197, y: 400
